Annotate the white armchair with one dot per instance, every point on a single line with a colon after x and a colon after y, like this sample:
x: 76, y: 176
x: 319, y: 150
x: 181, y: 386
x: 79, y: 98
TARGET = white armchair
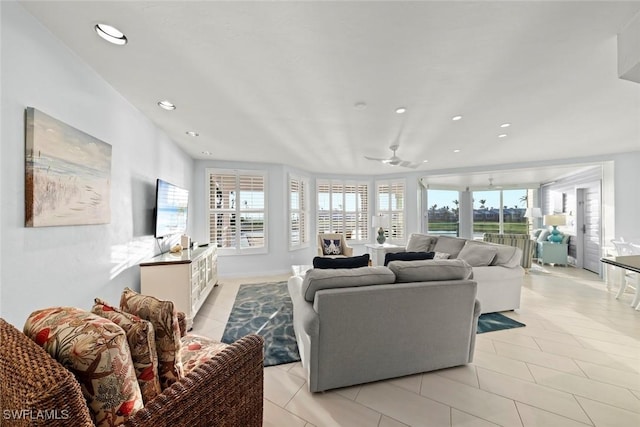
x: 333, y: 245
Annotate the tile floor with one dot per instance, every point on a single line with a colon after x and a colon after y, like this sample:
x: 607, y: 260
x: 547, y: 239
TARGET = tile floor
x: 576, y: 363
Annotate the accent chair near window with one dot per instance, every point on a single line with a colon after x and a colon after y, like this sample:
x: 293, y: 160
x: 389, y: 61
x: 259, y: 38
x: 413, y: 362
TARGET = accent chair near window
x: 333, y: 245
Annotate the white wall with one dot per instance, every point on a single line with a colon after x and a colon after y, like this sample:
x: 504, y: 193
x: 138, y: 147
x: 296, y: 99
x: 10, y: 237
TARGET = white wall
x: 42, y: 267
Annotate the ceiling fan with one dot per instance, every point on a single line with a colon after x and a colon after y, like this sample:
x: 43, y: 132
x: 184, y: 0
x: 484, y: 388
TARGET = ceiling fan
x: 395, y: 160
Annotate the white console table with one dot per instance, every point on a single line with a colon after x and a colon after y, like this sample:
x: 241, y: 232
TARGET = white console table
x: 378, y: 251
x: 186, y: 278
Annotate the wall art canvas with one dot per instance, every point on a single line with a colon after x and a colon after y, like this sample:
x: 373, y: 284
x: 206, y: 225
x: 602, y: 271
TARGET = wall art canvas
x: 67, y: 174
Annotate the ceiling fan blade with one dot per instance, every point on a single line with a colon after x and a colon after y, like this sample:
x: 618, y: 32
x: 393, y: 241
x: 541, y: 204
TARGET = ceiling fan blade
x: 377, y: 159
x: 408, y: 164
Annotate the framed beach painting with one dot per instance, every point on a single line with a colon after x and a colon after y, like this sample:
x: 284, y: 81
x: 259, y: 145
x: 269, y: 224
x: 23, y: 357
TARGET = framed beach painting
x: 67, y: 174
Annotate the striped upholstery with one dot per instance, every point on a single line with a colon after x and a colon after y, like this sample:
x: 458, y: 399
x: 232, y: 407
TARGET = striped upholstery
x: 522, y: 241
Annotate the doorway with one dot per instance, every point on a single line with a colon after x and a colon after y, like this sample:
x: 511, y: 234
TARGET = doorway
x: 588, y: 229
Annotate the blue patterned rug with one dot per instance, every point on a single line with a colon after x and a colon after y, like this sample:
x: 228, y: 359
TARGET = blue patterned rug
x: 266, y: 309
x: 490, y: 322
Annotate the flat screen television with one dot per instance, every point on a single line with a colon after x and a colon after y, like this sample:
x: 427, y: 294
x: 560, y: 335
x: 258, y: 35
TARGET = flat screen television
x: 171, y: 210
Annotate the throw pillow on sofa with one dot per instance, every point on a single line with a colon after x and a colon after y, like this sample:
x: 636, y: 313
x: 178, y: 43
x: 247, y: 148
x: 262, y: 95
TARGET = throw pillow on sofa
x: 164, y: 319
x: 449, y: 245
x: 407, y: 256
x: 95, y: 350
x: 430, y: 270
x: 347, y: 262
x: 142, y: 345
x: 420, y: 242
x: 478, y: 254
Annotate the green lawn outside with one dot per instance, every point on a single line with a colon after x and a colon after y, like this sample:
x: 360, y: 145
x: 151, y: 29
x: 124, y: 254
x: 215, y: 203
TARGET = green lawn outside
x: 480, y: 227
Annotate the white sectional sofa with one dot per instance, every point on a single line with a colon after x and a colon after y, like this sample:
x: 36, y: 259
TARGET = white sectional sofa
x: 496, y: 268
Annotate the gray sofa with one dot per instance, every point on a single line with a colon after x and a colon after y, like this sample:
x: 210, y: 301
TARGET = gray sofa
x: 371, y: 323
x: 496, y: 268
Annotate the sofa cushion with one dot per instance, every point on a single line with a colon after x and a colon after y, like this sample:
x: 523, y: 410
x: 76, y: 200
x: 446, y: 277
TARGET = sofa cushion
x: 346, y: 262
x: 164, y: 319
x: 430, y: 270
x: 477, y: 254
x: 196, y: 350
x: 318, y: 279
x: 449, y: 245
x: 407, y: 256
x: 142, y: 344
x: 421, y: 242
x: 506, y: 256
x: 95, y: 350
x: 331, y: 247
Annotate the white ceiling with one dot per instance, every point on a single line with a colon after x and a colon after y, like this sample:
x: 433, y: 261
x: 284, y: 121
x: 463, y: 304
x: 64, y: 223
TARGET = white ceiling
x: 277, y: 81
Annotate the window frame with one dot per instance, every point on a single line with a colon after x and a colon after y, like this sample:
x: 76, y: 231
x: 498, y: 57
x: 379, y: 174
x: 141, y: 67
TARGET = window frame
x: 388, y: 210
x: 362, y: 216
x: 302, y: 211
x: 237, y: 248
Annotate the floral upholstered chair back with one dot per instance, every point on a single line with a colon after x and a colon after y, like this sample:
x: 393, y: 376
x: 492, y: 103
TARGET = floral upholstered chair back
x: 333, y: 245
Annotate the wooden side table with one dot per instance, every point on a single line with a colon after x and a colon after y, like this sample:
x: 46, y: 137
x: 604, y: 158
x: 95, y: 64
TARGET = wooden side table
x: 553, y: 253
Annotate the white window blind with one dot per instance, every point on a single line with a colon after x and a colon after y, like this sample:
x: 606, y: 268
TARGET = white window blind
x: 298, y: 212
x: 343, y: 208
x: 390, y: 197
x: 237, y: 210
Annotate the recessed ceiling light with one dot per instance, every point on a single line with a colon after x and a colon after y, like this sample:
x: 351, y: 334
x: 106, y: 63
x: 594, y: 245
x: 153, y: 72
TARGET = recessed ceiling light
x: 502, y: 135
x: 401, y: 110
x: 455, y: 118
x: 360, y: 105
x: 192, y: 133
x: 456, y: 150
x: 167, y: 105
x: 111, y: 34
x: 425, y: 161
x: 505, y: 125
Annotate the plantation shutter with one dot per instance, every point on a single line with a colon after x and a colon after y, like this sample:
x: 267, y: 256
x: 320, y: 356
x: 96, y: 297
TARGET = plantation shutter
x: 237, y: 210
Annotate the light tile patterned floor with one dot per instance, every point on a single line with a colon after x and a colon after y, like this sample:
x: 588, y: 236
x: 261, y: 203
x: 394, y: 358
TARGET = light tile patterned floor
x: 576, y: 363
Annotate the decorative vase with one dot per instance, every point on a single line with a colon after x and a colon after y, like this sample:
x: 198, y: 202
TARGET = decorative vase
x: 555, y: 236
x: 381, y: 237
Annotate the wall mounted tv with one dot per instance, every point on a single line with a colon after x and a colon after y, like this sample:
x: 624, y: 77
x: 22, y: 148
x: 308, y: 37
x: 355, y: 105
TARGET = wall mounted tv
x: 171, y: 209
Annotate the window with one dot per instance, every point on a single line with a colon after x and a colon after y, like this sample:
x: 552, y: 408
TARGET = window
x: 390, y: 201
x: 499, y: 211
x: 298, y: 212
x: 343, y: 208
x: 443, y: 212
x: 237, y: 210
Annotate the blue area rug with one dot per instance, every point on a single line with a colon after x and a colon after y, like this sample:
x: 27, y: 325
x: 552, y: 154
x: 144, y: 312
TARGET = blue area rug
x: 266, y: 309
x: 490, y: 322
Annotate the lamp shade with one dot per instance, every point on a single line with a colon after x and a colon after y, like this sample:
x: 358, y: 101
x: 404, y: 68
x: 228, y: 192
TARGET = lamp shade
x: 533, y: 213
x: 378, y: 221
x: 555, y: 219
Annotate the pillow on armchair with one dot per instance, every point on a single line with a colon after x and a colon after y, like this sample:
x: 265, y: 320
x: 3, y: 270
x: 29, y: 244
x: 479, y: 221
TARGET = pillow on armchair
x: 96, y: 351
x: 142, y: 344
x: 164, y: 319
x: 331, y: 247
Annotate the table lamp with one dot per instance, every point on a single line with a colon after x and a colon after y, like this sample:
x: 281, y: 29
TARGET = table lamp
x: 380, y: 222
x: 533, y: 213
x: 555, y: 220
